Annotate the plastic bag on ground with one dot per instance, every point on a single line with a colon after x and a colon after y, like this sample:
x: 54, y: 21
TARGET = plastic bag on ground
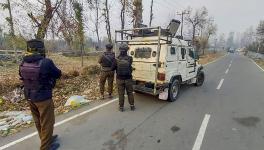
x: 75, y: 101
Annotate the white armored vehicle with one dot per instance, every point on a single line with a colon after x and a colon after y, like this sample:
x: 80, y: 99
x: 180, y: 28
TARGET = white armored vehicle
x: 161, y: 61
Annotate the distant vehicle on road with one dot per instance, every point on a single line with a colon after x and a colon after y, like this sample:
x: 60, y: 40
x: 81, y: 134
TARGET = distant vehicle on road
x: 162, y: 62
x: 231, y: 50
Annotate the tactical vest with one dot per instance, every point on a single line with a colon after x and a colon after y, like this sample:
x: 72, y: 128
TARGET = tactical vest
x: 107, y: 59
x: 30, y: 73
x: 123, y: 66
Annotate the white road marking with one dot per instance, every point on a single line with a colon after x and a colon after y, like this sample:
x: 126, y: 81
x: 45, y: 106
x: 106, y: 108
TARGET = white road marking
x: 227, y: 71
x: 199, y: 139
x: 220, y: 84
x: 257, y: 65
x: 230, y: 65
x: 57, y: 124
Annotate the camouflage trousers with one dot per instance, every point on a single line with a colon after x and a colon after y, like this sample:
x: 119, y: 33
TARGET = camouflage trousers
x: 125, y: 85
x: 109, y: 76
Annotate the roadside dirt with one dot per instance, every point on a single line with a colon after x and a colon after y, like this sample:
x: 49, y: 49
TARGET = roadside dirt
x: 260, y: 63
x: 204, y: 59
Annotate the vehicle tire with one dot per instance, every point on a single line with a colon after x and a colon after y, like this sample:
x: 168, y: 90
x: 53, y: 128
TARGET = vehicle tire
x: 174, y: 90
x: 200, y: 78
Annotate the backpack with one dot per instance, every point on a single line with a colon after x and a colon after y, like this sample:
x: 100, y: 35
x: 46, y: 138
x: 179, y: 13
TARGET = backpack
x: 107, y: 60
x: 123, y: 66
x: 30, y: 73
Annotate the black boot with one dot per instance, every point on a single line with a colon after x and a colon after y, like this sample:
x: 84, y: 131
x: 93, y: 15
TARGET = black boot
x: 54, y: 146
x: 54, y: 138
x: 132, y: 107
x: 121, y: 109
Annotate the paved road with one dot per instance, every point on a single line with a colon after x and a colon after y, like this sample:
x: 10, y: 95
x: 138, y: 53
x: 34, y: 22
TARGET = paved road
x: 226, y: 113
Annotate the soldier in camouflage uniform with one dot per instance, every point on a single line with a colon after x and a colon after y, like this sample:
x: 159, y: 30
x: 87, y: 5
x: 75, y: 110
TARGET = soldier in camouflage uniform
x: 106, y: 61
x: 123, y: 67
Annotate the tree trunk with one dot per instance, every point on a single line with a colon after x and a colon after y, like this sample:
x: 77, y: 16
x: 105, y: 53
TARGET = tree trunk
x: 12, y: 30
x: 122, y: 17
x: 151, y: 14
x: 137, y: 13
x: 42, y: 30
x: 97, y: 22
x: 107, y: 21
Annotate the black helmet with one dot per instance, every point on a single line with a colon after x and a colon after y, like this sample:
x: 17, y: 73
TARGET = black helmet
x: 123, y: 47
x: 109, y: 46
x: 36, y: 46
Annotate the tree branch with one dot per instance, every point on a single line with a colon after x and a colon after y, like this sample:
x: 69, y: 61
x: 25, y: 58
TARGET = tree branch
x: 34, y: 19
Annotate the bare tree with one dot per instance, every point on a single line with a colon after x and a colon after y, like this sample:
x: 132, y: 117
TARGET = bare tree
x: 44, y: 22
x: 122, y: 15
x: 260, y: 31
x: 10, y: 21
x: 78, y: 9
x: 209, y: 31
x: 222, y: 41
x: 260, y: 34
x: 95, y: 5
x: 107, y: 21
x: 197, y: 19
x: 68, y: 24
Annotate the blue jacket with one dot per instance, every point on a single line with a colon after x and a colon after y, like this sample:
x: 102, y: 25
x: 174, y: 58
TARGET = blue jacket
x: 48, y: 75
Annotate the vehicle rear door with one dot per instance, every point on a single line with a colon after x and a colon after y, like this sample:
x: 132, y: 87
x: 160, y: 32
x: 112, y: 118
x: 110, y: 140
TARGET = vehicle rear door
x: 144, y: 62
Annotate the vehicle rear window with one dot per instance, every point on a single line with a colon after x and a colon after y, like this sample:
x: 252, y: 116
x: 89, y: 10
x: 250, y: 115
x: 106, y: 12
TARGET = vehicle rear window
x: 143, y: 52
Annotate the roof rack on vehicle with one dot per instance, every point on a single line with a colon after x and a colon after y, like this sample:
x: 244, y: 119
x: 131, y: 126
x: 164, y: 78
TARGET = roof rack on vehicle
x: 129, y: 35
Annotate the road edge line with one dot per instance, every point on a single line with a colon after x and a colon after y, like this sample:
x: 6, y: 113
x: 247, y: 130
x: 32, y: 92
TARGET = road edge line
x: 215, y: 60
x: 257, y: 65
x: 199, y: 139
x: 57, y: 124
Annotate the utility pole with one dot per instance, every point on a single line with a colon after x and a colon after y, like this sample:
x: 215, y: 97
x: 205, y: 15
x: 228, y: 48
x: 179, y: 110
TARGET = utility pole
x: 151, y: 13
x: 182, y: 17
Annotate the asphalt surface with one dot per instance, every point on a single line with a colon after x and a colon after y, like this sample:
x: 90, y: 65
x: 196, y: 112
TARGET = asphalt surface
x: 226, y: 113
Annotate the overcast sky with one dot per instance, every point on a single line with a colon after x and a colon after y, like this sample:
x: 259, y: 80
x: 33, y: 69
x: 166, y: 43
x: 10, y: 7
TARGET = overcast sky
x: 229, y: 15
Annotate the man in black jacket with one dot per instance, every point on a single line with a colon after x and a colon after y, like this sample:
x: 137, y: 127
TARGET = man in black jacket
x: 123, y: 67
x: 106, y: 62
x: 39, y: 76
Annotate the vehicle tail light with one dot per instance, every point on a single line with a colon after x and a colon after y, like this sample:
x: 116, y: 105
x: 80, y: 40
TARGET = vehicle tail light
x: 161, y: 76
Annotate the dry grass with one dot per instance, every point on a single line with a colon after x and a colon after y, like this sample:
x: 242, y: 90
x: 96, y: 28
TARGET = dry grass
x: 204, y: 59
x: 260, y: 63
x: 76, y: 80
x: 67, y: 64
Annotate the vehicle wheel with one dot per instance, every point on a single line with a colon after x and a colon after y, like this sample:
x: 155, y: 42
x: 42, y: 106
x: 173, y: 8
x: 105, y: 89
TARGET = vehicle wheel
x: 174, y: 90
x: 200, y: 78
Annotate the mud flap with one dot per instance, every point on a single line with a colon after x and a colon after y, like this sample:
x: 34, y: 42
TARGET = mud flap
x: 164, y: 95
